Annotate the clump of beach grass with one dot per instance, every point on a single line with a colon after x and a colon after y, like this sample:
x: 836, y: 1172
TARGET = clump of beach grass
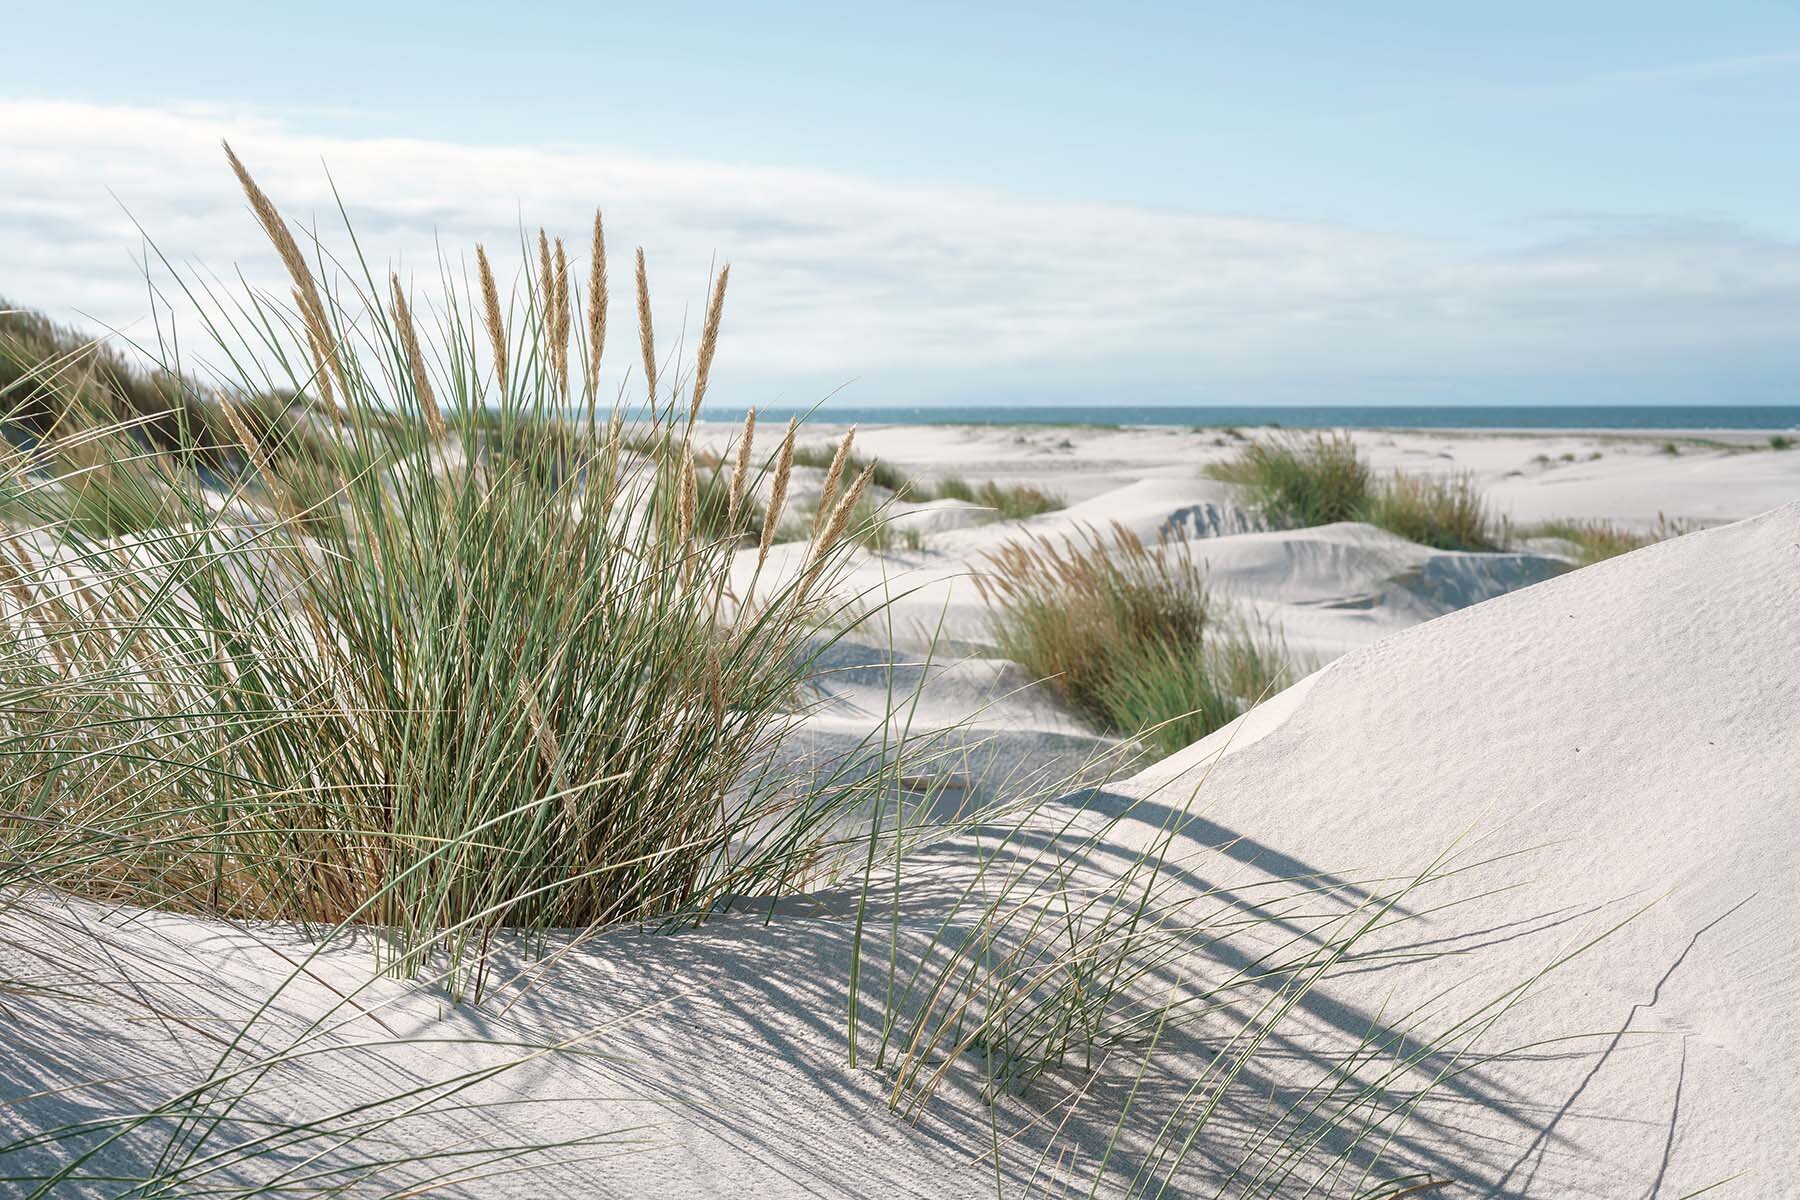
x: 1130, y: 635
x: 1008, y: 502
x: 1597, y: 540
x: 1447, y: 512
x: 1301, y: 480
x: 872, y: 525
x: 457, y: 611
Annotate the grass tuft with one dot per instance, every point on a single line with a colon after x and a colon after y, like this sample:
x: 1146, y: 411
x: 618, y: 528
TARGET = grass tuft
x: 1301, y: 480
x: 1447, y: 512
x: 1305, y: 480
x: 283, y: 692
x: 1598, y: 540
x: 1130, y: 635
x: 1009, y: 502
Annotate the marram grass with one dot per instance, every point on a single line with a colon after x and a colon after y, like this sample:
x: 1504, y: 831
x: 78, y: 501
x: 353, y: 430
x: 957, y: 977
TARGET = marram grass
x: 1301, y: 480
x: 1130, y: 635
x: 280, y: 682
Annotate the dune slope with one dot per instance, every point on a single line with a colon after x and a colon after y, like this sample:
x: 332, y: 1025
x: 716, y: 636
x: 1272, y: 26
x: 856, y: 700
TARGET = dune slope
x: 1614, y: 746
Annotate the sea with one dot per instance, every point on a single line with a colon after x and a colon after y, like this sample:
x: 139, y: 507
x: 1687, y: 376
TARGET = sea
x: 1647, y: 417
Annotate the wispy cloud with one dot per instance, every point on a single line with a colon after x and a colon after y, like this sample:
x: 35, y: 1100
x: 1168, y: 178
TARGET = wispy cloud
x: 835, y: 276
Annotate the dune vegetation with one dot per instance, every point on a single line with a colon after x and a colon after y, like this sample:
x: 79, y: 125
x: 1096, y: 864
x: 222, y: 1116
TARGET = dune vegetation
x: 1130, y: 635
x: 1597, y: 540
x: 1301, y: 480
x: 1005, y: 502
x: 1317, y: 479
x: 458, y: 663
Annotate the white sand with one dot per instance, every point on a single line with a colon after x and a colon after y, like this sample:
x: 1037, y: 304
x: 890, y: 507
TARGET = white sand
x: 1332, y: 589
x: 1616, y: 737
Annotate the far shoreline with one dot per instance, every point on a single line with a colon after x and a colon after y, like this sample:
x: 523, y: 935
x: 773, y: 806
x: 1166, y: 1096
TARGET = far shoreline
x: 1637, y: 421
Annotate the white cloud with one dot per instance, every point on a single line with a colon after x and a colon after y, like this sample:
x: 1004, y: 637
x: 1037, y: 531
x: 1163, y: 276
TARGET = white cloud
x: 836, y: 277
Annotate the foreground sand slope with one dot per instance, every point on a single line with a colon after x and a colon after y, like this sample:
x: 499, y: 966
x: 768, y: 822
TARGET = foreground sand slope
x: 1627, y: 735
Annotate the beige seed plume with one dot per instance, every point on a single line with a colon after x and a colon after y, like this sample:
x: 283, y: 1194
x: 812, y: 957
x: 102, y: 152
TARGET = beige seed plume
x: 784, y: 466
x: 840, y: 516
x: 546, y: 278
x: 740, y: 470
x: 832, y: 476
x: 690, y: 489
x: 715, y: 686
x: 646, y: 337
x: 709, y: 342
x: 251, y: 445
x: 415, y: 358
x: 490, y: 305
x: 596, y: 314
x: 559, y: 329
x: 615, y: 444
x: 321, y: 373
x: 306, y: 289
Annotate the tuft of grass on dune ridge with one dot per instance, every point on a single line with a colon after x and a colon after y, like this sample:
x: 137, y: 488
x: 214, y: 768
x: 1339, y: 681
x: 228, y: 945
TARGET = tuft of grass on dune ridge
x: 1598, y: 540
x: 1447, y: 512
x: 1010, y: 502
x: 55, y: 381
x: 281, y: 693
x: 1302, y: 480
x: 1130, y: 635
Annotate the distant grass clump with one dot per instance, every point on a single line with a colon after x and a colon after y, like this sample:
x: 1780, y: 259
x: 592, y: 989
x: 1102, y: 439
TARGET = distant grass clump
x: 1010, y: 502
x: 1131, y: 636
x: 1446, y: 512
x: 1300, y: 480
x: 1306, y: 480
x: 1780, y: 441
x: 885, y: 475
x: 1598, y: 540
x: 872, y: 524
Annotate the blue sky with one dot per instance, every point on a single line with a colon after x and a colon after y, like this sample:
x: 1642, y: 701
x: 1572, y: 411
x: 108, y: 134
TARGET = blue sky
x: 1457, y: 202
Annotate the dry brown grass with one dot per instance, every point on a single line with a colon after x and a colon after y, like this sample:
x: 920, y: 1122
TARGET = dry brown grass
x: 1130, y: 635
x: 596, y: 314
x: 646, y: 333
x: 493, y: 319
x: 709, y: 342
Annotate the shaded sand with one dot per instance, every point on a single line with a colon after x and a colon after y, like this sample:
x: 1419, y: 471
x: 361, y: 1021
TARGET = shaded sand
x: 1603, y: 763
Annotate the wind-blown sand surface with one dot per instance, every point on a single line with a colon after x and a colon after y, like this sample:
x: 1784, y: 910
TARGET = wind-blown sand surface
x: 1592, y: 780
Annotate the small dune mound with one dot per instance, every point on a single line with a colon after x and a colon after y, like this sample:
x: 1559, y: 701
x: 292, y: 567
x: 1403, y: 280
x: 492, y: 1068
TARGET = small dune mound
x: 1601, y: 779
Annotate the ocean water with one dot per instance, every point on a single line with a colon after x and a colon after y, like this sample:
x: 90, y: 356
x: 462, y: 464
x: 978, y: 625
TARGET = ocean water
x: 1697, y: 417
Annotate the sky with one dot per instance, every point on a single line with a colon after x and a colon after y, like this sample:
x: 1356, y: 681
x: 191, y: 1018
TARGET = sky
x: 928, y: 203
